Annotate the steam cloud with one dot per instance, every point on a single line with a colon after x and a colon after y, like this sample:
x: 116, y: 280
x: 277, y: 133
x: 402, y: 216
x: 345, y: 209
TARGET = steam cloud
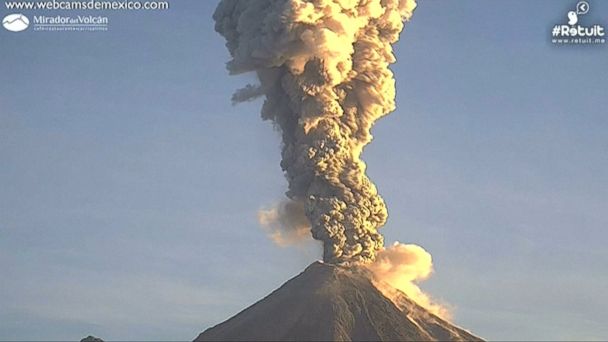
x: 286, y: 223
x: 402, y: 266
x: 323, y: 69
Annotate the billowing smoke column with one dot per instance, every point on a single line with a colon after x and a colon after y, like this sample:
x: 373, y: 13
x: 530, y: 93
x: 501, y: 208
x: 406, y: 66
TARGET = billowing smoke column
x: 323, y: 68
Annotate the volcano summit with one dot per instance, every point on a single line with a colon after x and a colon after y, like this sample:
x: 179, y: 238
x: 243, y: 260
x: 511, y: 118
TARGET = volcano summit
x: 334, y: 303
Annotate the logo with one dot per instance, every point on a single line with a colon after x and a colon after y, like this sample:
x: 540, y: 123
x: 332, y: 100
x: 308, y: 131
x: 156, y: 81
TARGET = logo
x: 572, y: 18
x: 574, y: 32
x: 70, y: 23
x: 15, y: 22
x: 581, y: 8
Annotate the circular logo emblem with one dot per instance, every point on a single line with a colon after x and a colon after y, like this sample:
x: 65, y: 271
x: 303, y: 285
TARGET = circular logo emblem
x: 15, y: 22
x: 582, y: 7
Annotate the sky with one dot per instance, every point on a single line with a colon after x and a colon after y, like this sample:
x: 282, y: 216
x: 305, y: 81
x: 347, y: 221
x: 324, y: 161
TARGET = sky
x: 130, y: 184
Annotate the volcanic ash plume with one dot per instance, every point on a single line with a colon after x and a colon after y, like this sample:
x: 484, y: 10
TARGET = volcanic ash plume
x: 401, y: 266
x: 323, y: 69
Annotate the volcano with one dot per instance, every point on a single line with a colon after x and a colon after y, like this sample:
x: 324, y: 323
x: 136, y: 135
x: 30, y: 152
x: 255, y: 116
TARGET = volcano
x: 334, y: 303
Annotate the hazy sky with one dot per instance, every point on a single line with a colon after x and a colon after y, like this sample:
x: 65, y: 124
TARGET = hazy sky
x: 130, y: 184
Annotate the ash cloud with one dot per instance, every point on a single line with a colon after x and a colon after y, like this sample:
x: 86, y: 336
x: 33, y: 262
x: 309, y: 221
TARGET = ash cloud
x: 323, y: 68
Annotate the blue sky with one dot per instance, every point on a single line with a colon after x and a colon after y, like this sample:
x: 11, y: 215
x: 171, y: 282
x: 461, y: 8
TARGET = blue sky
x: 130, y: 184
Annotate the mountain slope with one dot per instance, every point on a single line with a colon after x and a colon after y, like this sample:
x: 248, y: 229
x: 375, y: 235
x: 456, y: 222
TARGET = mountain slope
x: 328, y: 302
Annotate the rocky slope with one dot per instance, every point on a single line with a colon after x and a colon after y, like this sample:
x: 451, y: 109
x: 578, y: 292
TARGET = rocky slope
x: 328, y: 302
